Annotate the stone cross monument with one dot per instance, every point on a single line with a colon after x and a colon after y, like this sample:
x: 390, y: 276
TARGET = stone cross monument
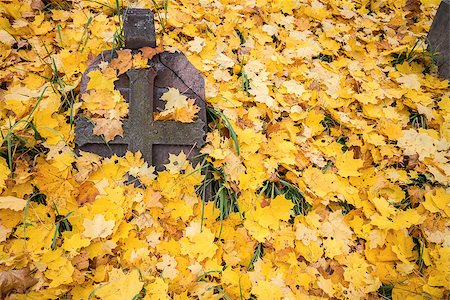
x: 143, y: 88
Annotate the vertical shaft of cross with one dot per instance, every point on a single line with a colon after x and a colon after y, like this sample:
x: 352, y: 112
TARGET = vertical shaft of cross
x: 141, y: 108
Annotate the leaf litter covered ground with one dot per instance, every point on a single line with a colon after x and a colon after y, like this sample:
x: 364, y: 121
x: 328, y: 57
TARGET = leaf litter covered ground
x: 328, y: 149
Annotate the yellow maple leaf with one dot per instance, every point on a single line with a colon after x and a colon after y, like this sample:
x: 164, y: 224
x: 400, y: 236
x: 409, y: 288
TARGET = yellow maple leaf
x: 423, y: 142
x: 13, y: 203
x: 261, y: 219
x: 98, y: 227
x: 254, y: 228
x: 178, y: 107
x: 177, y: 163
x: 435, y: 202
x: 61, y: 275
x: 197, y: 44
x: 358, y: 273
x: 281, y: 208
x: 174, y: 99
x: 139, y: 62
x: 410, y: 81
x: 383, y: 206
x: 100, y: 101
x: 74, y: 242
x: 312, y: 251
x: 179, y: 209
x: 59, y: 269
x: 265, y: 290
x: 157, y: 290
x: 293, y: 87
x: 168, y: 267
x: 108, y: 128
x: 188, y: 113
x: 313, y: 122
x: 338, y: 235
x: 347, y: 165
x: 198, y: 244
x: 98, y: 81
x: 326, y: 285
x: 4, y: 172
x: 4, y: 233
x: 403, y: 219
x: 6, y: 38
x: 124, y: 286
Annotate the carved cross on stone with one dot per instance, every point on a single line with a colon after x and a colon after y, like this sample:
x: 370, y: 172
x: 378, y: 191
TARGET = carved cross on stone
x: 142, y: 88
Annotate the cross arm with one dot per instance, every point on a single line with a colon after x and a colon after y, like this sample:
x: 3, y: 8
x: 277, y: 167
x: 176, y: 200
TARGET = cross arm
x: 85, y: 135
x: 177, y: 133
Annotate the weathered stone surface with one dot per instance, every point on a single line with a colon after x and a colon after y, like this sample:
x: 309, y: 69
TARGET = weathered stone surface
x: 143, y: 88
x: 139, y: 28
x: 439, y: 38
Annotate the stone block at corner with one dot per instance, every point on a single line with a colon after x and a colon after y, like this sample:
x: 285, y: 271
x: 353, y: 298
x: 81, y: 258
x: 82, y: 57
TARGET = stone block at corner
x: 439, y: 38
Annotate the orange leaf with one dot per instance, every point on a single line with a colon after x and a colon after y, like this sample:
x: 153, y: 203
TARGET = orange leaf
x: 88, y: 192
x: 149, y: 52
x: 123, y: 62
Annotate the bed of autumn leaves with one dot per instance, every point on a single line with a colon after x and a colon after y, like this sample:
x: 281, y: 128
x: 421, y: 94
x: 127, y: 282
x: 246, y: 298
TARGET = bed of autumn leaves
x: 329, y: 149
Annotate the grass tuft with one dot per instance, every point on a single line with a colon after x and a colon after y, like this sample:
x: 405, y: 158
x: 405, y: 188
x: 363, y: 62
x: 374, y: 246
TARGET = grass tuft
x: 385, y: 291
x: 161, y: 10
x: 85, y: 33
x: 215, y: 187
x: 324, y: 57
x: 17, y: 141
x: 117, y: 10
x: 327, y: 167
x: 420, y: 248
x: 343, y: 141
x: 417, y: 120
x: 419, y: 54
x: 245, y: 83
x: 328, y: 123
x: 221, y: 120
x: 420, y: 181
x: 346, y: 207
x: 206, y: 277
x: 57, y: 4
x: 271, y: 189
x: 241, y: 37
x: 61, y: 224
x: 59, y: 86
x: 257, y: 254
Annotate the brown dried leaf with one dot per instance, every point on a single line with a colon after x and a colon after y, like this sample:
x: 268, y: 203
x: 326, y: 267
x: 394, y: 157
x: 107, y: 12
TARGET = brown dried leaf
x: 416, y: 195
x: 81, y: 261
x: 78, y: 276
x: 413, y: 6
x: 37, y: 4
x: 17, y: 280
x: 413, y: 161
